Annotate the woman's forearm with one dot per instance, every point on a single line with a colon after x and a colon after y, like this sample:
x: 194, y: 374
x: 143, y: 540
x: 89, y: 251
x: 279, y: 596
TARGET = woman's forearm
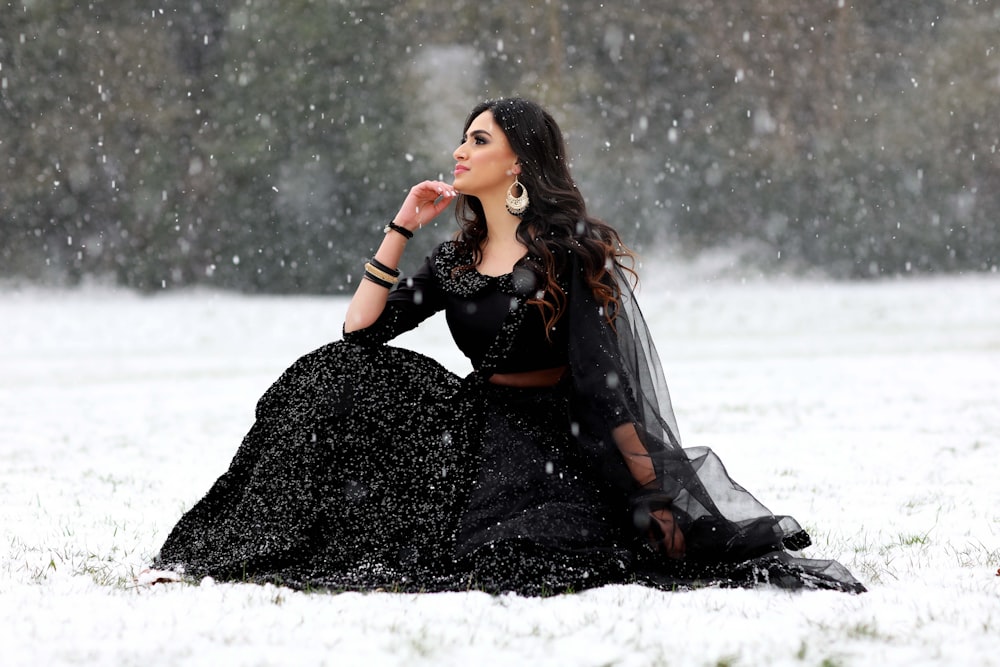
x: 423, y: 202
x: 636, y: 456
x: 369, y: 299
x: 666, y: 534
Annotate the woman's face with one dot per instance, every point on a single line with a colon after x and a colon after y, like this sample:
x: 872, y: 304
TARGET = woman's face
x: 485, y: 163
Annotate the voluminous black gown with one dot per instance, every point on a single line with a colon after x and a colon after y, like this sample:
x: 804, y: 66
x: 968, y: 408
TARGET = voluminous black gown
x: 373, y: 467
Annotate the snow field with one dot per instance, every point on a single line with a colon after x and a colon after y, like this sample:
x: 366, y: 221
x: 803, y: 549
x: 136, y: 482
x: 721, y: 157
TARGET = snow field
x: 868, y: 411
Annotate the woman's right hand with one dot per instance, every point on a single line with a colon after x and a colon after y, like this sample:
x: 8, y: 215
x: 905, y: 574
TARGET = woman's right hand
x: 423, y: 203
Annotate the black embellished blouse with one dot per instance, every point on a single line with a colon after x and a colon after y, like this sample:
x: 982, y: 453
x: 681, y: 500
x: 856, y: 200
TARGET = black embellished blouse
x: 476, y: 307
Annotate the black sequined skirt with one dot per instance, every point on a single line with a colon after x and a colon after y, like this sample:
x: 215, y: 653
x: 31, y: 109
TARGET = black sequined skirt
x: 373, y: 467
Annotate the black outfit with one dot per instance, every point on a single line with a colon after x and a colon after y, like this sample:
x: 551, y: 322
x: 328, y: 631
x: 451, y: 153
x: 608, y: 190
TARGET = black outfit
x: 371, y: 466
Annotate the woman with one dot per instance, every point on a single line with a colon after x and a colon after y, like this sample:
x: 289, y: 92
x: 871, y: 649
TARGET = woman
x: 554, y: 466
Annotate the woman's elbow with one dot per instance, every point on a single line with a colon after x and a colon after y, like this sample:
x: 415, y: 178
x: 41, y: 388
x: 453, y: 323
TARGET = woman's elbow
x: 357, y: 321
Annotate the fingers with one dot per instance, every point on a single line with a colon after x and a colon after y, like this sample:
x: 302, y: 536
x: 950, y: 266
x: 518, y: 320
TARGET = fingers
x: 424, y: 201
x: 433, y: 191
x: 676, y: 547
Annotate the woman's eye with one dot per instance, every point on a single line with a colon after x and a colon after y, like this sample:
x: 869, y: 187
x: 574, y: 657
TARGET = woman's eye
x: 478, y: 140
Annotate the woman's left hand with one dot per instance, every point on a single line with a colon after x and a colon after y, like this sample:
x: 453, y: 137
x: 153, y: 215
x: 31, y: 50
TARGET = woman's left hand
x: 666, y: 534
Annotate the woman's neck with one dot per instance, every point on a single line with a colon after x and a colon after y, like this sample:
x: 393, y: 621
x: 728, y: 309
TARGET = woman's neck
x: 501, y: 225
x: 502, y: 249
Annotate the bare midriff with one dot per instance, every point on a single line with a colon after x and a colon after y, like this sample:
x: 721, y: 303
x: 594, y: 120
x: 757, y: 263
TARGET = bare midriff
x: 545, y: 377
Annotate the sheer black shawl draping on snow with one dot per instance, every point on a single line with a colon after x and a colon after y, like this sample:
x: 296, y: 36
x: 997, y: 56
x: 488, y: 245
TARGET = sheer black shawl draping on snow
x: 730, y: 537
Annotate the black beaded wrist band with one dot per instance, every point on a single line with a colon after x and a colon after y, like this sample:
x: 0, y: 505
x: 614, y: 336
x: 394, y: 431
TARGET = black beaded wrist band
x: 378, y: 281
x: 383, y: 268
x: 393, y: 227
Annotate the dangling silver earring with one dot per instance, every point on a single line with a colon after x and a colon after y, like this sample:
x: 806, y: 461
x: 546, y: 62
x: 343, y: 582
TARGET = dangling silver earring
x: 519, y: 204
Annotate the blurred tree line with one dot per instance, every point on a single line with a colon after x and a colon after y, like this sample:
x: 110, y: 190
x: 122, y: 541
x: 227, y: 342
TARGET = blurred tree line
x: 261, y: 144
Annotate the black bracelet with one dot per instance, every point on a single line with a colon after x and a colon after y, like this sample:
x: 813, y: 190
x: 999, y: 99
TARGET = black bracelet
x: 382, y: 267
x: 378, y: 281
x: 393, y: 227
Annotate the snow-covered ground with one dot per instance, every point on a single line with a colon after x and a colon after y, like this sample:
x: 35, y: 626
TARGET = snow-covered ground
x: 871, y: 412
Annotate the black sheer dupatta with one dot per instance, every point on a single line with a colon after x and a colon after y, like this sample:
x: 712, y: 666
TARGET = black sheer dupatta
x: 729, y: 537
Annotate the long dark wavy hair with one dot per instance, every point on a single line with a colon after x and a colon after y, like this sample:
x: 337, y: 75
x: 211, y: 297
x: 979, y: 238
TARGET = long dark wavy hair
x: 556, y: 224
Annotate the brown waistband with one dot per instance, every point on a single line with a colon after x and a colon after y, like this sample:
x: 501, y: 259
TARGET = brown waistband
x: 546, y: 377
